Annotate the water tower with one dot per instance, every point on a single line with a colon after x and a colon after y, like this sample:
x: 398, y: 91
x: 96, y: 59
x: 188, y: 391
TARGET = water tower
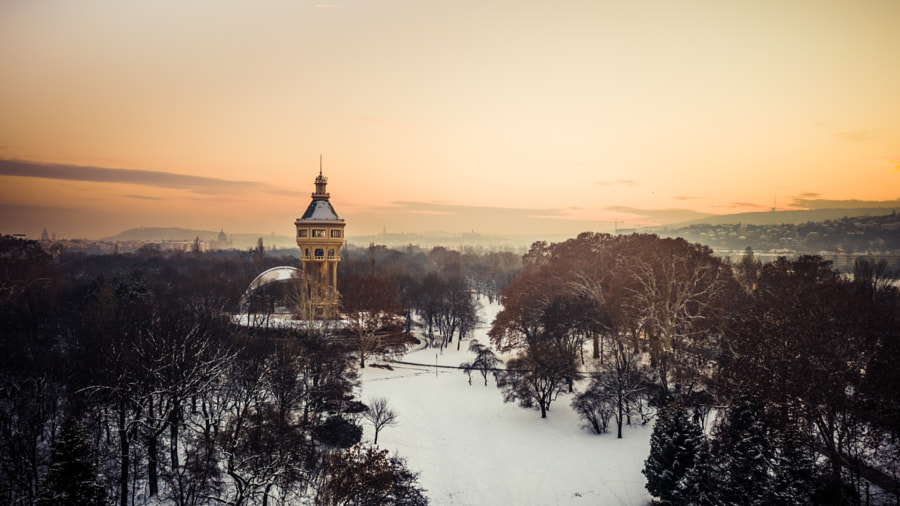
x: 320, y: 235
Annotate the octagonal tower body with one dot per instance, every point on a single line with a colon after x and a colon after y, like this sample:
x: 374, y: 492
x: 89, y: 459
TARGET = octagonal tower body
x: 320, y: 235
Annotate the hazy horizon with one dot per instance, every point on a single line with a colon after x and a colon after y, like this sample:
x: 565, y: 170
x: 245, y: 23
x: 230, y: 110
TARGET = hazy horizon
x: 499, y: 118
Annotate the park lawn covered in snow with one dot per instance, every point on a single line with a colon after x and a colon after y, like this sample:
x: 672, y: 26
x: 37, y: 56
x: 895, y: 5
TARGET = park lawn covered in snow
x: 471, y: 448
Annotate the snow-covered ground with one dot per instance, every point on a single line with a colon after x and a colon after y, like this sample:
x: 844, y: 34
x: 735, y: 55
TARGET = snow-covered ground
x: 471, y: 448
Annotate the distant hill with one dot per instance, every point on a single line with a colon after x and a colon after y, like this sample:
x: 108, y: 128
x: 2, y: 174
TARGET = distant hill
x: 781, y: 217
x: 162, y: 234
x: 839, y: 235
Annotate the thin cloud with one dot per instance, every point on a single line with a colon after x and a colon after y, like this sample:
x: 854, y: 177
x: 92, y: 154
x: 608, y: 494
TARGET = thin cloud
x: 896, y: 164
x: 196, y: 184
x: 617, y: 182
x: 747, y: 204
x: 861, y: 135
x: 810, y: 195
x: 143, y: 197
x: 689, y: 198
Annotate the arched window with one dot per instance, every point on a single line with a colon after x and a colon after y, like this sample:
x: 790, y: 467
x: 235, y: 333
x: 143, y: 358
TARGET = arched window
x: 306, y: 254
x: 331, y: 253
x: 320, y: 253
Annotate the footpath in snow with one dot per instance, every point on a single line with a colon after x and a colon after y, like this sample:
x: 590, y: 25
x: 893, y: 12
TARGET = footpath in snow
x: 471, y: 448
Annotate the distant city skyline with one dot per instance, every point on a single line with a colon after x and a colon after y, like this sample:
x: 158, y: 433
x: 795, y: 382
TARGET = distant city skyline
x: 495, y: 117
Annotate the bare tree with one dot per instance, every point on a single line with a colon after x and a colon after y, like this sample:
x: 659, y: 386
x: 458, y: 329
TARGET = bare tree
x: 485, y: 361
x: 536, y: 376
x: 427, y: 301
x: 676, y: 288
x: 873, y: 278
x: 380, y: 415
x: 455, y: 309
x: 747, y: 271
x: 179, y: 355
x: 364, y: 476
x: 615, y: 391
x: 303, y: 302
x: 370, y: 306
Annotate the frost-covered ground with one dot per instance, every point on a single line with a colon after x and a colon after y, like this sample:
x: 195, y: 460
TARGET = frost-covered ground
x: 471, y: 448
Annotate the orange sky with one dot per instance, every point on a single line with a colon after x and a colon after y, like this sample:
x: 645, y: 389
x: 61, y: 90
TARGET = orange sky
x: 494, y: 116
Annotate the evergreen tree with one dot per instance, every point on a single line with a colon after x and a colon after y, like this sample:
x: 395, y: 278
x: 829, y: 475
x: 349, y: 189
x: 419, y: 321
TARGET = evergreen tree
x: 674, y: 446
x: 750, y: 463
x: 745, y: 452
x: 73, y: 476
x: 795, y: 467
x: 337, y: 431
x: 701, y: 483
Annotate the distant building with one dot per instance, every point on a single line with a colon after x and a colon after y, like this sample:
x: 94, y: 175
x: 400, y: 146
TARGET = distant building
x: 44, y: 236
x: 221, y: 242
x: 320, y: 236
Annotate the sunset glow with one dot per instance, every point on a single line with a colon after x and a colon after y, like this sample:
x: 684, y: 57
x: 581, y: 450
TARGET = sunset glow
x: 499, y: 117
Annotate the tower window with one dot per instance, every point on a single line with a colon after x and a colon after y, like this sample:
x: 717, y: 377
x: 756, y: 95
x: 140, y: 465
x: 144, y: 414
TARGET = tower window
x: 331, y: 253
x: 318, y: 233
x: 336, y: 233
x: 301, y: 232
x: 320, y: 253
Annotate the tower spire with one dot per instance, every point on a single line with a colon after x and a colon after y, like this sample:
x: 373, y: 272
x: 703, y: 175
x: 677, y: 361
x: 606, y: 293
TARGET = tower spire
x: 321, y: 183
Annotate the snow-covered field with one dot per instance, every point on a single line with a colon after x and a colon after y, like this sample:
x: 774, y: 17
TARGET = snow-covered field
x: 471, y: 448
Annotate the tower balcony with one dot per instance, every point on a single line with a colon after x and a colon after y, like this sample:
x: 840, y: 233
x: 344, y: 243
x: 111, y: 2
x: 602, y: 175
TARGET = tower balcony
x: 319, y: 258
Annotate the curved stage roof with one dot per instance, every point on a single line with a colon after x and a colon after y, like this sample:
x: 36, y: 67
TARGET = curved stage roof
x: 280, y: 274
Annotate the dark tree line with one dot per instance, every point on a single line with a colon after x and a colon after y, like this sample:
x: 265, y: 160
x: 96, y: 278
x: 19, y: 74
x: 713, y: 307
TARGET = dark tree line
x: 814, y: 345
x: 123, y: 377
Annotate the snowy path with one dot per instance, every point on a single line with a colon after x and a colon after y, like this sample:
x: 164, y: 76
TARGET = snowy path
x: 473, y: 449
